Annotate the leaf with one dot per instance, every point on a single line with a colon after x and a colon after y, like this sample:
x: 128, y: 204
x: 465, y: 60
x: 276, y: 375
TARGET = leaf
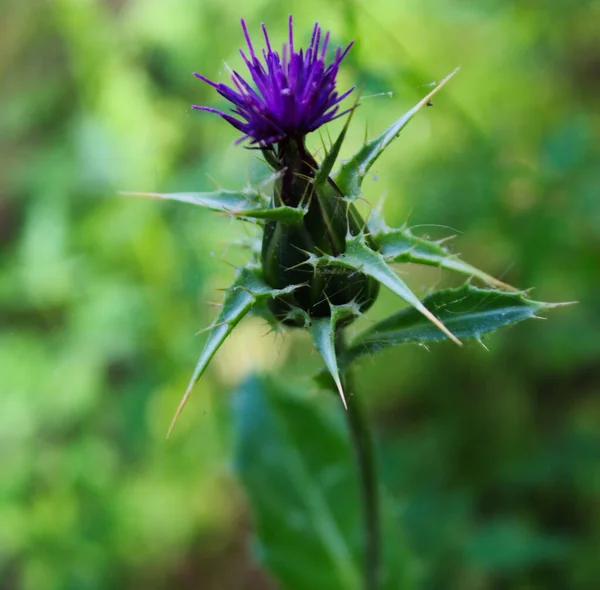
x: 468, y: 311
x: 241, y: 296
x: 323, y: 331
x: 293, y: 462
x: 245, y: 204
x: 283, y: 214
x: 322, y: 175
x: 360, y: 257
x: 400, y: 245
x: 294, y: 458
x: 352, y: 172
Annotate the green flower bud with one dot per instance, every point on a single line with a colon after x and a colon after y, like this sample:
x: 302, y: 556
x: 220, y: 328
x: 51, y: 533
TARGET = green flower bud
x: 328, y: 221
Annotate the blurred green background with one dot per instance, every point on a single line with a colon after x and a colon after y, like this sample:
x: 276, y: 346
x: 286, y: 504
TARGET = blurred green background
x: 494, y: 457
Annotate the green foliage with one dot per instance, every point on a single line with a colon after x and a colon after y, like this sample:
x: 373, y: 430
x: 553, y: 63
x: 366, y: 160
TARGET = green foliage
x: 490, y: 460
x: 352, y: 173
x: 322, y: 176
x: 247, y: 289
x: 294, y: 465
x: 401, y: 245
x: 323, y: 332
x: 361, y: 258
x: 247, y: 204
x: 468, y: 311
x: 294, y: 458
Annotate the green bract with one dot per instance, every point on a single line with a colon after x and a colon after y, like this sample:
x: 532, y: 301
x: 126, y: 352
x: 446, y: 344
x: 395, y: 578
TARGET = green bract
x: 289, y: 248
x: 320, y: 264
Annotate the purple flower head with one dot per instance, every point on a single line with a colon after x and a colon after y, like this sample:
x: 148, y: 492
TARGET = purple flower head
x: 294, y: 93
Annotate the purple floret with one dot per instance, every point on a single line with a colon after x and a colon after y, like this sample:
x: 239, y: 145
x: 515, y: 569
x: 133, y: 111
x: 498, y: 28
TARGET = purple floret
x: 293, y: 94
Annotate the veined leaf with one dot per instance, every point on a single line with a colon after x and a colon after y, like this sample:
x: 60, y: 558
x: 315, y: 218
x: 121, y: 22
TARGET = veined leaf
x: 360, y: 257
x: 400, y: 245
x: 245, y: 204
x: 352, y: 172
x: 293, y: 456
x: 470, y: 312
x: 241, y: 296
x: 294, y: 462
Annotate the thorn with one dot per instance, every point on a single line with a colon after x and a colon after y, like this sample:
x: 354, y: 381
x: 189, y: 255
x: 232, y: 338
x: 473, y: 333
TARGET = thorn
x: 307, y: 262
x: 136, y: 194
x: 437, y: 225
x: 478, y: 338
x: 217, y: 185
x: 323, y: 142
x: 442, y: 83
x: 437, y: 323
x: 180, y: 407
x: 209, y: 328
x: 305, y: 176
x: 241, y: 212
x: 560, y: 304
x: 329, y: 137
x: 213, y: 304
x: 502, y: 285
x: 338, y: 384
x: 446, y: 239
x: 246, y: 290
x: 236, y: 268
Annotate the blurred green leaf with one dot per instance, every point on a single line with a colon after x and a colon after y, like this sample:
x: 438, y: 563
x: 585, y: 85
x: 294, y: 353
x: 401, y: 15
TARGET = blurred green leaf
x: 294, y: 462
x: 97, y: 294
x: 293, y: 456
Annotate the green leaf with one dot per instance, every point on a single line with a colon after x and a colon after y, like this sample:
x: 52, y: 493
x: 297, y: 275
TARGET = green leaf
x: 400, y: 245
x: 468, y: 311
x: 352, y: 172
x: 248, y: 204
x: 360, y: 257
x: 294, y: 458
x: 241, y: 296
x: 326, y: 167
x: 323, y: 331
x: 284, y: 214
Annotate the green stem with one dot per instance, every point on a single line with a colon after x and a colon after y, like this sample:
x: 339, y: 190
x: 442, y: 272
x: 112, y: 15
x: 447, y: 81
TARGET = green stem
x: 362, y: 441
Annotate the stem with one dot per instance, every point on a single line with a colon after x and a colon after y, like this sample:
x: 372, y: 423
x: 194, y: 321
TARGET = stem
x: 362, y: 441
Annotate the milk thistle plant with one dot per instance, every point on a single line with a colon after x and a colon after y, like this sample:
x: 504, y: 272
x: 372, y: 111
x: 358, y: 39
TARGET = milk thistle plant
x: 320, y: 264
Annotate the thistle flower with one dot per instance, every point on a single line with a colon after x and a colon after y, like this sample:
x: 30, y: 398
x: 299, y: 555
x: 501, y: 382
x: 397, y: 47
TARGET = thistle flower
x: 294, y: 94
x: 320, y: 263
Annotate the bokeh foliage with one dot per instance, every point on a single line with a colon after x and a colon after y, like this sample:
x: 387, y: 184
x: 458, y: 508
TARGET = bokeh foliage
x: 491, y: 459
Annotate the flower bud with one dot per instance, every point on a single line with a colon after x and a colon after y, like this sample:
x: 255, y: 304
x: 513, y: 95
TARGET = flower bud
x: 287, y: 249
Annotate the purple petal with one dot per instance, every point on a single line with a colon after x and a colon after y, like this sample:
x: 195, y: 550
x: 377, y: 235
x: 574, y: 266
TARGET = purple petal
x: 290, y: 95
